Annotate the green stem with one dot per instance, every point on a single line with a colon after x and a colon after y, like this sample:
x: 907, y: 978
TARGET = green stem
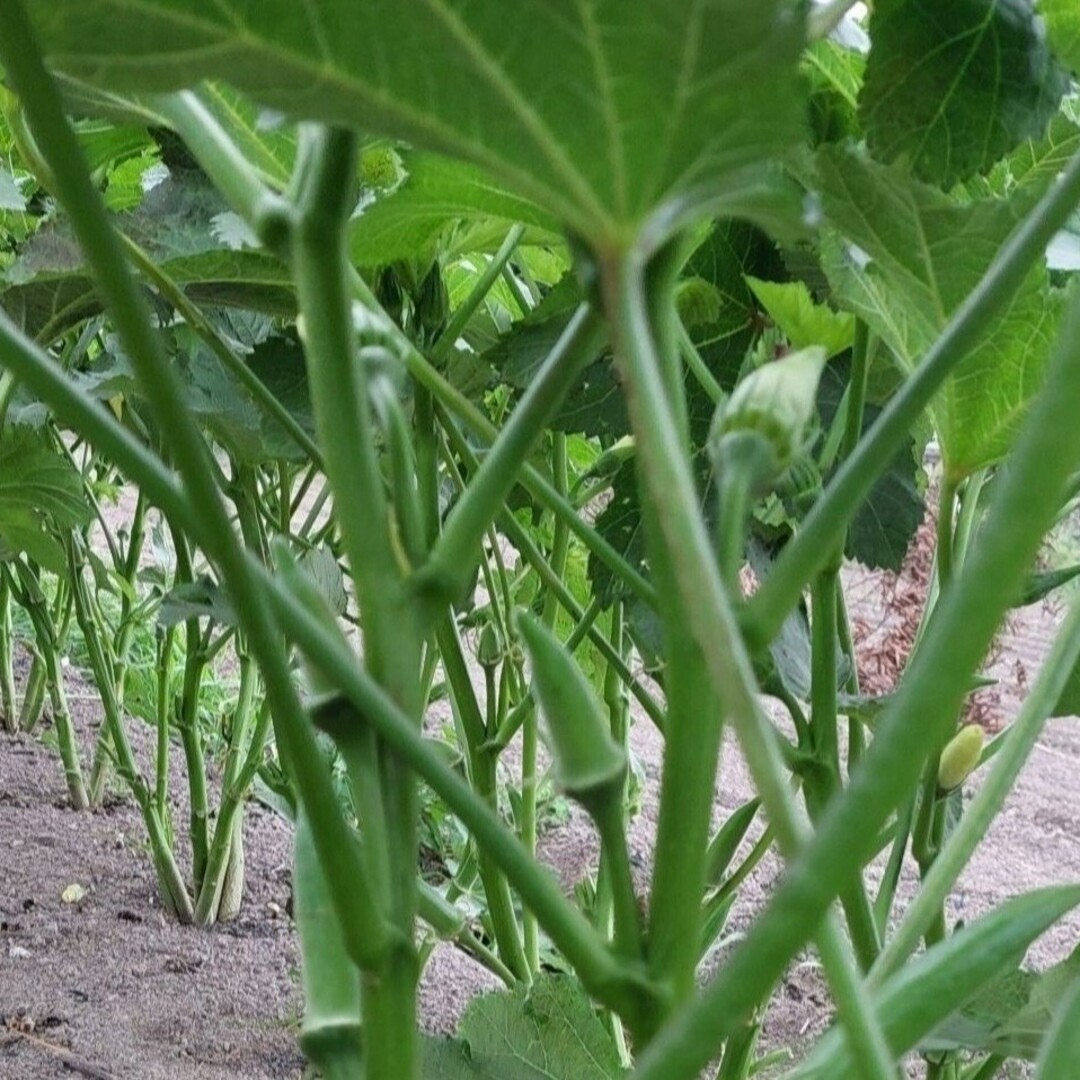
x: 519, y: 537
x: 33, y: 701
x: 824, y: 526
x: 187, y: 721
x: 447, y: 342
x: 482, y: 766
x: 392, y: 639
x: 230, y: 812
x: 8, y: 712
x: 32, y: 599
x: 946, y: 511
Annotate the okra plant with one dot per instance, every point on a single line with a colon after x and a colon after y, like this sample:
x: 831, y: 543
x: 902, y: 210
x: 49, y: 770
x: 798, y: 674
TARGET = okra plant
x: 599, y: 301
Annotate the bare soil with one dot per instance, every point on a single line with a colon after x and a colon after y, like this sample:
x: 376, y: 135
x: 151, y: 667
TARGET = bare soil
x: 108, y: 987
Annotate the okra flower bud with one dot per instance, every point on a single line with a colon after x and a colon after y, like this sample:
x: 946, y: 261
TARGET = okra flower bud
x: 489, y: 651
x: 960, y: 756
x: 589, y: 763
x: 775, y: 403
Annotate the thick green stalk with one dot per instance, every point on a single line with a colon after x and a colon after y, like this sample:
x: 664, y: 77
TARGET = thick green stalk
x: 366, y: 936
x: 682, y: 544
x: 824, y: 527
x: 687, y: 787
x: 392, y: 638
x: 919, y: 716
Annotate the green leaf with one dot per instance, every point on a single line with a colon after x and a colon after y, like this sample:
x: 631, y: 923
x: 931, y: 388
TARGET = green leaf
x: 803, y: 321
x: 1062, y: 19
x: 233, y: 413
x: 953, y: 87
x: 945, y: 977
x: 601, y: 112
x: 912, y: 256
x: 549, y: 1032
x: 1062, y: 1050
x: 202, y: 599
x: 41, y: 491
x: 441, y: 205
x: 50, y: 289
x: 1012, y: 1016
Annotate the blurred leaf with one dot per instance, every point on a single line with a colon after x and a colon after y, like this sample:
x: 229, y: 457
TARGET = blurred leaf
x: 326, y: 574
x: 954, y: 87
x: 202, y: 599
x: 1062, y: 19
x: 233, y: 413
x: 944, y: 978
x: 1061, y: 1050
x: 49, y: 288
x: 40, y: 490
x: 1012, y: 1016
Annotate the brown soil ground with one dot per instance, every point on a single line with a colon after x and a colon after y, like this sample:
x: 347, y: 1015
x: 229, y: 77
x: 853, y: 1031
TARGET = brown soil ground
x: 109, y: 987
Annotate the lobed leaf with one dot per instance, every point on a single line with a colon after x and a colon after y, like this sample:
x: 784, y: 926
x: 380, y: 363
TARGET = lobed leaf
x: 600, y: 111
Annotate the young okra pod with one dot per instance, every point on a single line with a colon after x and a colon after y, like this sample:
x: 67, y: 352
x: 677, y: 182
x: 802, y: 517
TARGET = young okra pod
x: 960, y: 757
x: 589, y: 764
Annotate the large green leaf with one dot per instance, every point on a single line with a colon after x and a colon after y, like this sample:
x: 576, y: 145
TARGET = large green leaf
x: 602, y: 111
x: 548, y: 1032
x: 908, y: 257
x: 955, y: 86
